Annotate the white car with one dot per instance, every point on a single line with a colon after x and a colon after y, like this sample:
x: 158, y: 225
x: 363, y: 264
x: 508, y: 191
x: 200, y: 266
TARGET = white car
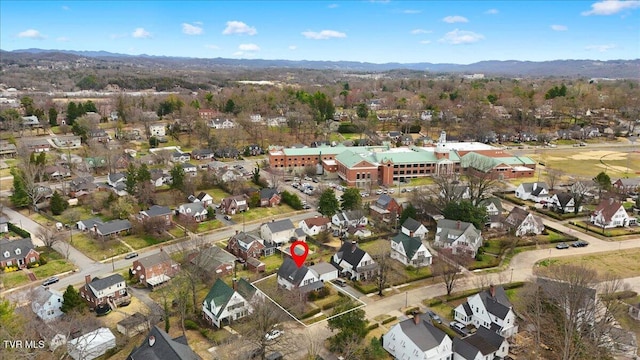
x: 273, y: 334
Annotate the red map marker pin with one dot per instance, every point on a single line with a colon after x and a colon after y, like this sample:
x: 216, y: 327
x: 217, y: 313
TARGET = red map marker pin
x: 299, y: 255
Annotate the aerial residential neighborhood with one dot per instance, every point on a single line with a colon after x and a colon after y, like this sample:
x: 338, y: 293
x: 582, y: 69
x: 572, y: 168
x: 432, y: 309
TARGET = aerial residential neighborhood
x: 210, y: 206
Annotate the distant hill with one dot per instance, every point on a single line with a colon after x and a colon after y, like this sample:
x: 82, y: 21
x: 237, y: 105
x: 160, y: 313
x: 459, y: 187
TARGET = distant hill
x: 557, y: 68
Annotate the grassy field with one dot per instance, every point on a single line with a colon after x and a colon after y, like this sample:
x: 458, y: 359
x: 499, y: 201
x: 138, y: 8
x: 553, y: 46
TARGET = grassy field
x: 261, y: 213
x: 586, y: 162
x: 614, y: 263
x: 141, y: 241
x: 52, y: 267
x: 14, y: 279
x: 94, y: 249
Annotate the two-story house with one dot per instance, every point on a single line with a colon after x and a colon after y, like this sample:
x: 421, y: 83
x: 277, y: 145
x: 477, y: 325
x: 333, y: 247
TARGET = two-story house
x: 159, y: 345
x: 302, y: 279
x: 344, y: 219
x: 483, y: 344
x: 535, y: 191
x: 490, y: 309
x: 234, y: 204
x: 610, y: 214
x: 459, y: 236
x: 157, y: 212
x: 269, y: 197
x: 111, y: 289
x: 385, y: 208
x: 214, y: 261
x: 417, y: 338
x: 414, y: 228
x: 224, y: 304
x: 245, y: 245
x: 205, y: 199
x: 410, y: 251
x: 194, y: 211
x: 218, y: 123
x: 524, y: 223
x: 155, y: 269
x: 354, y: 263
x: 563, y: 202
x: 46, y: 303
x: 280, y: 232
x: 189, y: 169
x: 18, y: 253
x: 157, y: 130
x: 313, y: 226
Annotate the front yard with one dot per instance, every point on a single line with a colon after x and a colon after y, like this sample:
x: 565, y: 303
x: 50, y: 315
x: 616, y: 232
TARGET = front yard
x: 96, y: 249
x: 263, y: 213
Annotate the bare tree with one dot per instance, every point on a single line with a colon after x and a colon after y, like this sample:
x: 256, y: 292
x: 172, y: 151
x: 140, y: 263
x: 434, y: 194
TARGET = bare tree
x: 480, y: 179
x: 48, y: 236
x: 264, y: 316
x: 448, y: 267
x: 553, y: 176
x: 579, y: 191
x: 445, y: 190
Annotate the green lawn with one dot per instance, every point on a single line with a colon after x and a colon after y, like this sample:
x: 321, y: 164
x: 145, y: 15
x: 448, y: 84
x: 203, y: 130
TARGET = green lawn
x: 94, y: 248
x: 141, y: 241
x: 262, y: 213
x: 52, y: 267
x: 176, y: 231
x: 14, y: 279
x: 217, y: 194
x: 209, y: 225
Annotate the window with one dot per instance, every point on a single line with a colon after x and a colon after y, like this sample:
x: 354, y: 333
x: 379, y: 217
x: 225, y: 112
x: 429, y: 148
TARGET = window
x: 7, y: 254
x: 18, y: 251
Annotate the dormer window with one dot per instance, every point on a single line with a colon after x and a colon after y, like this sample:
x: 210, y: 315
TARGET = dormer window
x: 18, y: 251
x: 7, y: 254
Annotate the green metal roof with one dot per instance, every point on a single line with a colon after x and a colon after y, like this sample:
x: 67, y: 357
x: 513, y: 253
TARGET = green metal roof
x: 219, y: 295
x: 486, y: 163
x: 328, y: 150
x: 350, y: 158
x: 410, y: 244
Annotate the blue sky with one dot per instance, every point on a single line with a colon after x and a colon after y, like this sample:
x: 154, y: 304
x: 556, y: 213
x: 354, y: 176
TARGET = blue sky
x: 380, y: 31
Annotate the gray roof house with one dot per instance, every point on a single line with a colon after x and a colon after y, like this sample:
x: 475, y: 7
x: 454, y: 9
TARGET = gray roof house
x: 17, y: 252
x: 159, y: 345
x: 278, y: 231
x: 524, y: 223
x: 417, y: 338
x: 304, y: 279
x: 412, y: 227
x: 483, y: 344
x: 459, y: 236
x: 112, y: 227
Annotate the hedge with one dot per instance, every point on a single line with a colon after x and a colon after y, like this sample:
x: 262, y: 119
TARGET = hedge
x: 311, y: 313
x: 411, y: 310
x: 390, y: 319
x: 19, y: 231
x: 372, y: 326
x: 331, y: 304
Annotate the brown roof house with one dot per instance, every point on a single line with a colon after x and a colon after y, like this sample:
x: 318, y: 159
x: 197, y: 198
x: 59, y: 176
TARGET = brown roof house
x: 234, y: 204
x: 155, y: 269
x: 524, y: 222
x: 313, y: 226
x: 610, y: 214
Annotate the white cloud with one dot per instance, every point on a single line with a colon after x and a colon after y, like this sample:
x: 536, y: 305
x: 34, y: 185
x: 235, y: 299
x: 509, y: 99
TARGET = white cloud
x: 324, y: 34
x: 191, y: 29
x: 420, y: 31
x: 31, y: 34
x: 411, y: 11
x: 600, y: 48
x: 238, y: 27
x: 491, y: 11
x: 610, y: 7
x: 212, y: 47
x: 292, y: 47
x: 333, y: 6
x: 248, y: 47
x: 457, y: 37
x: 63, y: 39
x: 559, y: 28
x: 455, y: 19
x: 141, y: 33
x: 425, y: 42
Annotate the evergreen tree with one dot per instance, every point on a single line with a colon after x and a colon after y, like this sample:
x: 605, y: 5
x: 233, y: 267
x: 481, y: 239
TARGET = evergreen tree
x: 328, y: 204
x: 71, y: 300
x: 131, y: 180
x: 58, y: 204
x: 53, y: 116
x: 464, y: 210
x: 351, y: 199
x: 409, y: 211
x: 177, y: 177
x: 19, y: 197
x: 144, y: 175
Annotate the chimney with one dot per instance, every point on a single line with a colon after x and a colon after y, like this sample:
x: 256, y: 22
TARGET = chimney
x: 535, y: 185
x: 354, y: 245
x: 492, y: 290
x: 87, y: 279
x: 234, y: 281
x: 161, y: 249
x: 458, y: 225
x: 236, y: 232
x: 610, y: 201
x: 416, y: 318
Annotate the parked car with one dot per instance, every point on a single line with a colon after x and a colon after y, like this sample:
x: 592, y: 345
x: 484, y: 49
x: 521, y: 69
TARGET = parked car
x: 51, y: 280
x: 340, y: 282
x: 273, y: 334
x: 131, y: 255
x: 579, y: 243
x: 434, y: 317
x: 562, y: 246
x: 227, y: 217
x: 459, y: 328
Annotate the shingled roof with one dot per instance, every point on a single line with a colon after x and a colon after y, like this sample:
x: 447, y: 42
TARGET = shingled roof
x: 409, y: 243
x: 158, y: 345
x: 423, y: 334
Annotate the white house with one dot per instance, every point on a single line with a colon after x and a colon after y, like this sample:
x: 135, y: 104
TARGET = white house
x: 278, y: 231
x: 344, y: 219
x: 524, y: 222
x: 459, y: 236
x: 46, y: 303
x: 193, y: 210
x: 303, y: 279
x: 221, y: 123
x: 414, y: 228
x: 4, y: 224
x: 563, y: 202
x: 610, y: 214
x: 490, y: 309
x: 410, y: 250
x: 536, y: 191
x: 313, y: 226
x: 205, y: 199
x: 326, y: 271
x: 91, y: 345
x: 223, y: 304
x: 157, y: 130
x: 417, y: 338
x: 189, y: 169
x: 483, y: 344
x: 354, y: 262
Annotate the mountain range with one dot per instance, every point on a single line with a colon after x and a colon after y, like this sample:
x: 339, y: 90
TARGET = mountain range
x: 616, y: 69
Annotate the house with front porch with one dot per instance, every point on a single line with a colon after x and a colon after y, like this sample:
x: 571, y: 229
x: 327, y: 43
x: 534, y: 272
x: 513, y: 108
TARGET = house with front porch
x: 225, y: 304
x: 354, y: 263
x: 302, y: 279
x: 344, y: 219
x: 154, y: 270
x: 110, y: 290
x: 490, y: 309
x: 280, y: 232
x: 245, y: 245
x: 535, y: 191
x: 157, y: 212
x: 563, y: 202
x: 194, y: 211
x: 610, y: 214
x: 410, y: 251
x: 523, y: 222
x: 18, y: 253
x: 234, y: 204
x: 459, y: 236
